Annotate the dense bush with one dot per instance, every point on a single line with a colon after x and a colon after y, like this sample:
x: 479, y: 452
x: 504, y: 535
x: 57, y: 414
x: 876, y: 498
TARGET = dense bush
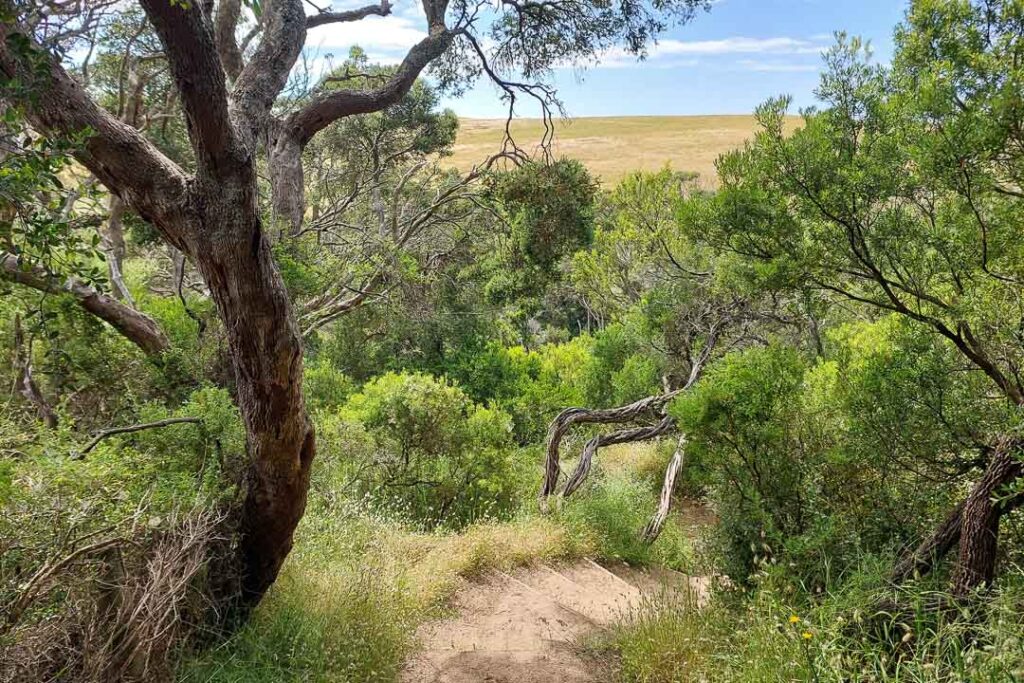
x: 418, y: 445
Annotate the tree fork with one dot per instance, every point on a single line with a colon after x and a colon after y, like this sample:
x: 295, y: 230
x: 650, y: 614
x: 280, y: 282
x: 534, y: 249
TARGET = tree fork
x: 972, y: 525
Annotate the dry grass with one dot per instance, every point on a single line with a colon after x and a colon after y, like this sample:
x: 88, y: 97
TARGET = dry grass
x: 437, y: 565
x: 611, y: 147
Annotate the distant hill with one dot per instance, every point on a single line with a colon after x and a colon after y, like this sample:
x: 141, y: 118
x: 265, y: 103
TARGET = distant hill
x: 613, y: 146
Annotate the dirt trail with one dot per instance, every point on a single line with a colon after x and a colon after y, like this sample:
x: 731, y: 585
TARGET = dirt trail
x: 523, y: 627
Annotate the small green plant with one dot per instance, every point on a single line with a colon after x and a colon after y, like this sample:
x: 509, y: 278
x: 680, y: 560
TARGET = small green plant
x: 609, y: 516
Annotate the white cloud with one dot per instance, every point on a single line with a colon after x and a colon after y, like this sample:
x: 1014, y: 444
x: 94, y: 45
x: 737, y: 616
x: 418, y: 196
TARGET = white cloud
x: 668, y: 53
x: 739, y: 45
x: 391, y: 35
x: 755, y: 65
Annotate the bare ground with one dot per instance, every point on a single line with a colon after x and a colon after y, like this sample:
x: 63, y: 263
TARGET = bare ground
x: 524, y: 626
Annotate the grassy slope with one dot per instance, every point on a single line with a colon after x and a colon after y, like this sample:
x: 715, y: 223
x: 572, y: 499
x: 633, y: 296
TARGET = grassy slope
x: 611, y: 147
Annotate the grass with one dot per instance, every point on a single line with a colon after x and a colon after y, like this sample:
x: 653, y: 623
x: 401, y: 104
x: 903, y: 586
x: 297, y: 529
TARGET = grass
x: 612, y: 147
x: 346, y: 607
x: 357, y: 584
x: 762, y: 637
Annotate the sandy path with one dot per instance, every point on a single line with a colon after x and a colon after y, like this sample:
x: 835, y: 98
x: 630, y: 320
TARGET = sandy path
x: 523, y: 627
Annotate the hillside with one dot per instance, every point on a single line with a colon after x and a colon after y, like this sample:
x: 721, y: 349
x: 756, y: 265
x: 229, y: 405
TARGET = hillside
x: 613, y: 146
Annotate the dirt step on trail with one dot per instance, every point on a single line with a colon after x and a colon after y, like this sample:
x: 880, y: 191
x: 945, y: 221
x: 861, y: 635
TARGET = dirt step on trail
x: 524, y: 627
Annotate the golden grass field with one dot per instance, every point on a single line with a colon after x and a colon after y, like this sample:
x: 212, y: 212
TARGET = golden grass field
x: 611, y: 147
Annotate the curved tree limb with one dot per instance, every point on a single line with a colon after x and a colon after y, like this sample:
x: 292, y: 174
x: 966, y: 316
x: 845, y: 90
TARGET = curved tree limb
x: 653, y: 529
x: 134, y: 326
x: 579, y: 475
x: 335, y: 104
x: 569, y: 417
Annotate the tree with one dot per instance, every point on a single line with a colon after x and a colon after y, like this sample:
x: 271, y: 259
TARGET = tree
x: 904, y: 195
x: 643, y: 259
x: 228, y: 96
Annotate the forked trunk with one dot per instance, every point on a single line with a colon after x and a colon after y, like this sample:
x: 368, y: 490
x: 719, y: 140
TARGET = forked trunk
x: 973, y: 525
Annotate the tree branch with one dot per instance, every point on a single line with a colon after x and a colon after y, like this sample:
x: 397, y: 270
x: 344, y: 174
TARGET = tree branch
x: 336, y: 104
x: 264, y: 77
x: 137, y: 327
x: 103, y: 434
x: 224, y: 34
x: 114, y: 151
x: 329, y: 17
x: 199, y: 75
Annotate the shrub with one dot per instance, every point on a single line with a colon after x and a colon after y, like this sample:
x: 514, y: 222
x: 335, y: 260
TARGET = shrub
x: 326, y: 387
x: 418, y: 445
x: 609, y: 515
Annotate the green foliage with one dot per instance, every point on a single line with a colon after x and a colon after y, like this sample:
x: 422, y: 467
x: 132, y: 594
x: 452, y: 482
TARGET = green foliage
x: 608, y: 517
x: 769, y: 638
x: 346, y: 627
x: 550, y: 208
x: 326, y: 387
x: 418, y: 445
x: 745, y: 418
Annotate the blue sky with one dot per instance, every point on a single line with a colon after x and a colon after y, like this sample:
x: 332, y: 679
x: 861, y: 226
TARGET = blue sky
x: 725, y: 61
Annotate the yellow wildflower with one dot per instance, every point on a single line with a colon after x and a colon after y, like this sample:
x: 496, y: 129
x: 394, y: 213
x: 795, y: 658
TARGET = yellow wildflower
x: 806, y: 635
x: 794, y: 619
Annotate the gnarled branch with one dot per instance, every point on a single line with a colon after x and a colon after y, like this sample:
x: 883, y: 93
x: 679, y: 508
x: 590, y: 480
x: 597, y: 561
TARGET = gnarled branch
x: 329, y: 17
x: 653, y: 529
x: 136, y: 327
x: 331, y: 106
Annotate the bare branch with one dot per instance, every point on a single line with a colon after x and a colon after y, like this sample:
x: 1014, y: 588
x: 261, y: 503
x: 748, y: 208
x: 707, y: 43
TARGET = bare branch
x: 653, y: 529
x: 329, y: 17
x: 331, y: 106
x: 25, y: 383
x: 103, y: 434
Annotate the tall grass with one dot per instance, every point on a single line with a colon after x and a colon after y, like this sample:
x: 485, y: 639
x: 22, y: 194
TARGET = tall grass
x: 762, y: 638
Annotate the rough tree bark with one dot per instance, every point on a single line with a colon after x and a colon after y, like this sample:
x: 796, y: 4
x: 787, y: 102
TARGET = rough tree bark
x: 212, y: 215
x: 972, y: 526
x: 979, y: 532
x: 564, y: 421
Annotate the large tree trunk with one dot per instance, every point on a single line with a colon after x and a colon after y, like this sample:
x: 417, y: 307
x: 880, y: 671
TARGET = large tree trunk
x: 137, y: 327
x: 287, y: 193
x: 979, y: 534
x: 235, y: 259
